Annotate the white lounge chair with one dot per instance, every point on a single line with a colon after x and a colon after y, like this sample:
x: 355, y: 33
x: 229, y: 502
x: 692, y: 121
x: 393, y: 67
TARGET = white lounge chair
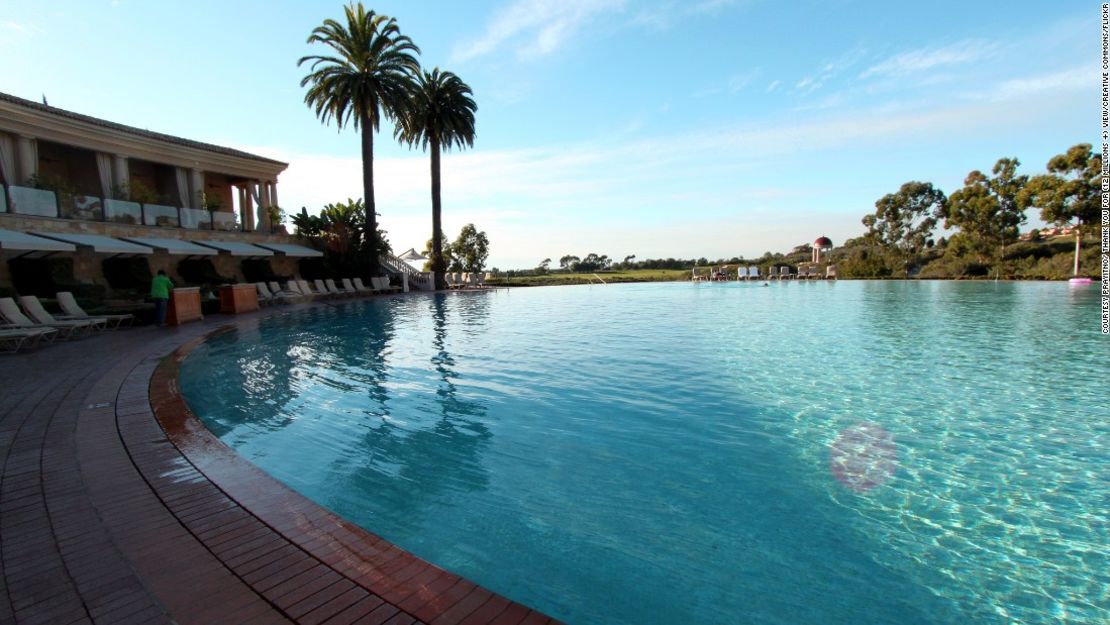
x: 382, y: 282
x: 830, y: 272
x: 265, y: 296
x: 34, y: 308
x: 295, y: 288
x: 307, y: 289
x: 69, y: 306
x: 14, y: 339
x: 66, y: 329
x: 753, y: 272
x: 321, y: 288
x: 362, y: 288
x: 335, y: 290
x: 286, y: 294
x: 350, y: 287
x: 772, y: 272
x: 741, y: 273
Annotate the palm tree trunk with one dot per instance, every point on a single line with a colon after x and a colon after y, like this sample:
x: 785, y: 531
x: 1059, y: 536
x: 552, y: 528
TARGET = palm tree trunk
x: 438, y: 267
x: 371, y: 222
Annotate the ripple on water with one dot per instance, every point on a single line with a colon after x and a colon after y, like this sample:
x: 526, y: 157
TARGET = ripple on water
x: 667, y: 453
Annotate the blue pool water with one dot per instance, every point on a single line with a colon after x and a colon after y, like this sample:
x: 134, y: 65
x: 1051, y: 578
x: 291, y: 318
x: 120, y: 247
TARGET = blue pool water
x: 663, y: 453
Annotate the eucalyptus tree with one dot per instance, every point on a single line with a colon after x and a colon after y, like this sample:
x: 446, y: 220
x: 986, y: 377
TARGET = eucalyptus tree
x: 1070, y: 191
x: 440, y: 116
x: 367, y: 75
x: 987, y: 210
x: 905, y: 221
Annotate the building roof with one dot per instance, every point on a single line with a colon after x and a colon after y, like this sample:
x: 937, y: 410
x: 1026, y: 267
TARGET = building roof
x: 139, y: 132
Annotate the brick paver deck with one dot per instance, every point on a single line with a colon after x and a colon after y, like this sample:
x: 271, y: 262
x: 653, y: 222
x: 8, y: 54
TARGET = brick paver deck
x: 117, y: 506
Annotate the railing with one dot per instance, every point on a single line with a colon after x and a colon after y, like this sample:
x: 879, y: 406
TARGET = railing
x: 45, y: 203
x: 419, y: 280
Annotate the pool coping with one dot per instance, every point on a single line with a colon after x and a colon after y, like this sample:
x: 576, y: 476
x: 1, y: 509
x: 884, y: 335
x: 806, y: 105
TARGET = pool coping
x: 285, y: 529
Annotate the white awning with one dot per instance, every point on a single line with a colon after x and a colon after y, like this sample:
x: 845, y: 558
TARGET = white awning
x: 13, y: 241
x: 288, y: 249
x: 175, y: 247
x: 236, y: 248
x: 99, y: 244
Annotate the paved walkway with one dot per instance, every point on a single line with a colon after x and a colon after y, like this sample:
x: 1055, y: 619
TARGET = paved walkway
x: 116, y: 506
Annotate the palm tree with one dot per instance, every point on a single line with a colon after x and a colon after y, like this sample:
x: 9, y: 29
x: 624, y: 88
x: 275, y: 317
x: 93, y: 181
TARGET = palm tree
x: 369, y: 75
x: 441, y: 115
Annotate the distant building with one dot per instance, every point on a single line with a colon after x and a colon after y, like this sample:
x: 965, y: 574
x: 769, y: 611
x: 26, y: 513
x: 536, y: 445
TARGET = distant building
x: 68, y: 175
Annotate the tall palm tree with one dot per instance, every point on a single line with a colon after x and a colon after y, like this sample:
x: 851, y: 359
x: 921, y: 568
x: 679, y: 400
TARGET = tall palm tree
x: 441, y: 115
x: 369, y: 74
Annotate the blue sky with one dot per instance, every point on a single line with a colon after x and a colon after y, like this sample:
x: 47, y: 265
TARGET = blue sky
x: 651, y: 127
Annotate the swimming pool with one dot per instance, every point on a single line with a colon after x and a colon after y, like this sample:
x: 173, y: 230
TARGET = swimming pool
x: 672, y: 453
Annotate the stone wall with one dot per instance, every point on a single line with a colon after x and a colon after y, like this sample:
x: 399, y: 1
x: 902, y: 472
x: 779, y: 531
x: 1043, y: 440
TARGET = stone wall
x: 87, y: 265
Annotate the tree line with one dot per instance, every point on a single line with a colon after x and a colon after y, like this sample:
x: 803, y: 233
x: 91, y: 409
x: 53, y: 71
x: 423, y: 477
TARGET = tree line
x: 986, y: 214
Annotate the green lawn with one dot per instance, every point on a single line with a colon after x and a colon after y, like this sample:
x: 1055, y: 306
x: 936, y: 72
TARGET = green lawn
x: 557, y: 278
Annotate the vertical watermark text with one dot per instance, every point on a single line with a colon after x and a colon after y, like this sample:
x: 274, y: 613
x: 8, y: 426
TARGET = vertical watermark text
x: 1105, y: 257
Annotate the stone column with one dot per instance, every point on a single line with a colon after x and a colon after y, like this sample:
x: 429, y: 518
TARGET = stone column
x: 196, y: 187
x: 121, y: 173
x: 263, y: 222
x: 27, y: 157
x: 247, y: 209
x: 273, y: 194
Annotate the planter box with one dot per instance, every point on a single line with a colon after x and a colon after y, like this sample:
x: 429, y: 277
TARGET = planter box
x: 158, y: 215
x: 28, y: 201
x: 123, y: 212
x: 184, y: 306
x: 238, y: 298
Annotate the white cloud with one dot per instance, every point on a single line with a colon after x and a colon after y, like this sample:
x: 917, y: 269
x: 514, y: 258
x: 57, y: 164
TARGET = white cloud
x: 637, y: 195
x: 774, y: 85
x: 1066, y: 80
x: 830, y: 69
x: 924, y: 59
x: 535, y: 27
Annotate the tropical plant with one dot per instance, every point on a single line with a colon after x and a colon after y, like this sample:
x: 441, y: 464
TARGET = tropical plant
x: 1069, y: 191
x: 440, y: 115
x: 368, y: 75
x: 445, y: 249
x: 339, y: 231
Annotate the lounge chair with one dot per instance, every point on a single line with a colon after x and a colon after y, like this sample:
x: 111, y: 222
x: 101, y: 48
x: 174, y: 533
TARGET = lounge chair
x: 382, y: 282
x: 265, y: 296
x: 362, y: 288
x: 66, y: 329
x: 286, y: 294
x: 321, y: 288
x: 307, y: 289
x: 350, y: 287
x: 741, y: 273
x: 14, y: 339
x: 480, y: 280
x: 784, y: 273
x: 335, y: 290
x: 753, y: 273
x: 74, y: 312
x: 830, y: 272
x: 33, y: 307
x: 293, y: 287
x: 772, y: 272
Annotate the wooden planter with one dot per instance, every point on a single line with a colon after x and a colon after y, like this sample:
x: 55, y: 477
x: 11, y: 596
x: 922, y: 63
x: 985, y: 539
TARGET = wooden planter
x: 238, y: 298
x: 184, y: 306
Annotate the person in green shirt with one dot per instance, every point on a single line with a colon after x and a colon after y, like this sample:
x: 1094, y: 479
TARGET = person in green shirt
x: 160, y: 288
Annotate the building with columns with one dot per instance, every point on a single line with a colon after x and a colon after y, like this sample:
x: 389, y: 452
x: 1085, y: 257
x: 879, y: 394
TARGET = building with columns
x: 64, y: 173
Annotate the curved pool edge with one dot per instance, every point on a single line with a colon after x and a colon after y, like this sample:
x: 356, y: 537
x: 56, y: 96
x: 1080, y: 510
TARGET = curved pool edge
x: 420, y: 590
